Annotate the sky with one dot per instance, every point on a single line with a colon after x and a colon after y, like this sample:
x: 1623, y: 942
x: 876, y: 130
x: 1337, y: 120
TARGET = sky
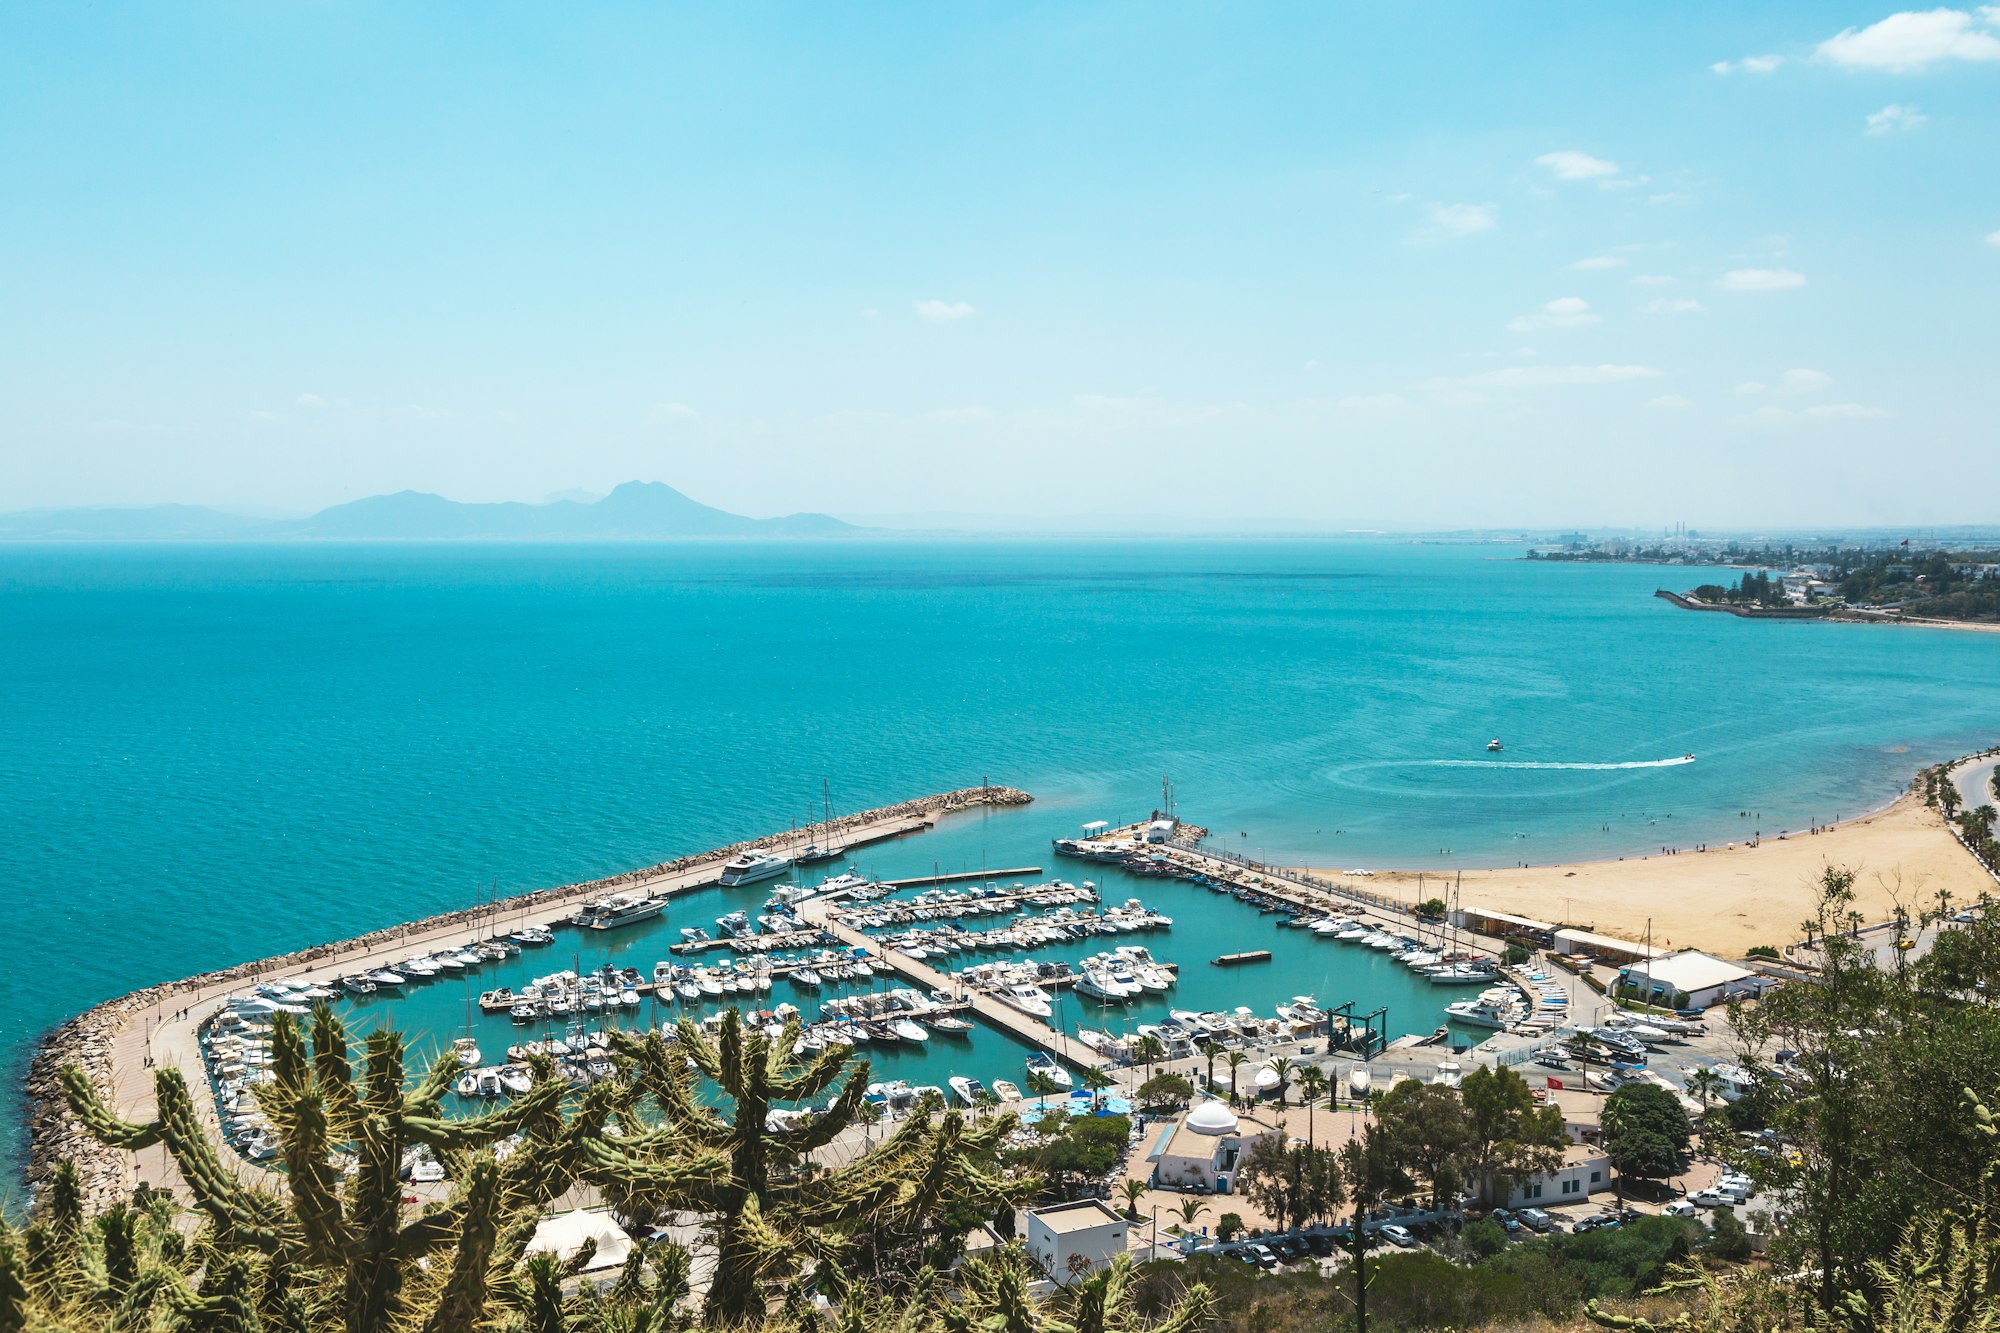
x: 1411, y: 266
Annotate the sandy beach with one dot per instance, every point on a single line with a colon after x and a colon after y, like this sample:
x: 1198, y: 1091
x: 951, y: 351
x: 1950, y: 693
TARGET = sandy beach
x: 1728, y: 899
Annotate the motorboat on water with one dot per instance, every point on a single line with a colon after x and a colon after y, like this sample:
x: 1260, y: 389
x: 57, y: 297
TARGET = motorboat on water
x: 735, y: 925
x: 951, y: 1025
x: 754, y: 865
x: 1046, y: 1065
x: 909, y: 1030
x: 467, y: 1051
x: 969, y: 1090
x: 845, y: 882
x: 1006, y: 1091
x: 1494, y: 746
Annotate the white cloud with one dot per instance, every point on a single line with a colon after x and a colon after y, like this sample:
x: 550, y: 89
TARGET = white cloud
x: 1547, y: 377
x: 1669, y: 402
x: 1654, y: 280
x: 943, y: 312
x: 310, y: 400
x: 667, y: 413
x: 1909, y: 42
x: 1313, y: 364
x: 1465, y: 219
x: 1673, y: 305
x: 1571, y: 165
x: 1599, y: 262
x: 1993, y: 238
x: 1748, y: 65
x: 1894, y: 118
x: 1798, y: 382
x: 1761, y: 280
x: 1565, y: 312
x: 1780, y: 416
x: 1749, y: 389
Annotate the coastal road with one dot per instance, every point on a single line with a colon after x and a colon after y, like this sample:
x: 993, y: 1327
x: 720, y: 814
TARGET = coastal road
x: 1975, y: 783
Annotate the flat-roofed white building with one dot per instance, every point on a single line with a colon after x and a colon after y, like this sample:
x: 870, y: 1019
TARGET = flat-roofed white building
x: 1072, y: 1240
x: 1202, y: 1149
x: 1702, y: 979
x: 1584, y: 1170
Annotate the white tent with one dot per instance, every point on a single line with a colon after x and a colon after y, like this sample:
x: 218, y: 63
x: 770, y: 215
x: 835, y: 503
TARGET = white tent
x: 564, y: 1235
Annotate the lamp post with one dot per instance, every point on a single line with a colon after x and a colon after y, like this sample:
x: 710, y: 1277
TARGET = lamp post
x: 1153, y: 1236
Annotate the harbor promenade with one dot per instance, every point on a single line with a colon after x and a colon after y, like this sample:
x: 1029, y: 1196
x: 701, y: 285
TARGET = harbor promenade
x: 121, y: 1043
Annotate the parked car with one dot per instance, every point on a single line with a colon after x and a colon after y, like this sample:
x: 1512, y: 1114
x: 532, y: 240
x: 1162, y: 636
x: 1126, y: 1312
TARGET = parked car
x: 1507, y: 1220
x: 1285, y: 1248
x: 1739, y: 1185
x: 1321, y: 1246
x: 1245, y: 1257
x: 1712, y: 1199
x: 1263, y: 1255
x: 1534, y: 1219
x: 1680, y: 1208
x: 1400, y: 1237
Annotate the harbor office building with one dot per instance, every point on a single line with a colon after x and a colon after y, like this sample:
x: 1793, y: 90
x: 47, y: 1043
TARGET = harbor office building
x: 1072, y: 1240
x: 1689, y: 980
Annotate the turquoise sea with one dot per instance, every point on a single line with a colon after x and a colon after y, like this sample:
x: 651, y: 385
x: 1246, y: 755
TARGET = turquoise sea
x: 213, y: 753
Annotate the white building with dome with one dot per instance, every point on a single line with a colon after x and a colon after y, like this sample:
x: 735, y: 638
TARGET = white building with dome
x: 1201, y: 1150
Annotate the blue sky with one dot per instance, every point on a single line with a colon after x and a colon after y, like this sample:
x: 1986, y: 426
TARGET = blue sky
x: 1386, y: 267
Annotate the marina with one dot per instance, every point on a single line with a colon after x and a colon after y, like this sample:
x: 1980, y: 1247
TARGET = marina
x: 895, y: 975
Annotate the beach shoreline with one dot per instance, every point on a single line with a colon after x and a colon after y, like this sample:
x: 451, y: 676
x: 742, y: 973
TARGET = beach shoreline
x: 1731, y: 897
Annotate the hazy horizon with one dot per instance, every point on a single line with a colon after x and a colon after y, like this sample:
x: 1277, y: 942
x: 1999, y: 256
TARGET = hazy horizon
x: 1426, y: 269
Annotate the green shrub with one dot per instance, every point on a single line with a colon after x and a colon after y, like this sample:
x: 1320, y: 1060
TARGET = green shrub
x: 1483, y: 1239
x: 1229, y: 1226
x: 1729, y: 1239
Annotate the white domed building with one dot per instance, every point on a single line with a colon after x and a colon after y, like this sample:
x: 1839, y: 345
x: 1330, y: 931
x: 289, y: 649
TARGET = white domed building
x: 1201, y: 1150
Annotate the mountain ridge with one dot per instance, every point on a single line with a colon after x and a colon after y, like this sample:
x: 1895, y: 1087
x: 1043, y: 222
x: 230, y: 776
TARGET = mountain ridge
x: 633, y: 511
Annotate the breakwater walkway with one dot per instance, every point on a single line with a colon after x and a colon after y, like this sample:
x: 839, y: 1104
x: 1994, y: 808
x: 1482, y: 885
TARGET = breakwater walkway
x: 121, y: 1042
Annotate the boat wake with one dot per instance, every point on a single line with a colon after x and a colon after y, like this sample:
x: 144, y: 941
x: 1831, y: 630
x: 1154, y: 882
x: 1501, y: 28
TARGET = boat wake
x: 1593, y: 768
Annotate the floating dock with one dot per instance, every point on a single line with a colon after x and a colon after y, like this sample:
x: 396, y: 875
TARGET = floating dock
x: 1238, y: 959
x: 958, y: 877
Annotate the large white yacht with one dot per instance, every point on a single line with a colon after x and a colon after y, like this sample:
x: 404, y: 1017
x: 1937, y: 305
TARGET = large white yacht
x: 754, y: 865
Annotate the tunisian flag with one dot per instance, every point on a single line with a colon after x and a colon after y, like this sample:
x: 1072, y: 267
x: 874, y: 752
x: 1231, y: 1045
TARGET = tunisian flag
x: 1555, y: 1085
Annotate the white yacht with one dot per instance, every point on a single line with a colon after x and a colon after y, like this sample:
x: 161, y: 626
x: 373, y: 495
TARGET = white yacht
x: 1041, y: 1062
x: 754, y: 865
x: 1030, y: 1000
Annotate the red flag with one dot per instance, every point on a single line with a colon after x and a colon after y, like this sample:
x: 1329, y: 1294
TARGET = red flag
x: 1906, y: 541
x: 1555, y: 1085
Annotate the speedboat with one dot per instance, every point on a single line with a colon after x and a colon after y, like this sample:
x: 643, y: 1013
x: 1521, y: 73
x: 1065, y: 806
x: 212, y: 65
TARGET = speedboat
x: 1006, y: 1091
x: 1494, y: 746
x: 357, y: 985
x: 951, y: 1026
x: 909, y: 1031
x: 754, y: 865
x: 384, y: 977
x: 805, y: 976
x: 969, y: 1090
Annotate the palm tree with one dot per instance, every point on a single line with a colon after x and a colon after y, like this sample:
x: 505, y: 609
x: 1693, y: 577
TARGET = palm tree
x: 1190, y: 1209
x: 1212, y: 1049
x: 1133, y: 1190
x: 1149, y: 1048
x: 1282, y: 1067
x: 1312, y: 1086
x: 1097, y: 1081
x: 1041, y: 1085
x: 1705, y: 1084
x: 1235, y: 1060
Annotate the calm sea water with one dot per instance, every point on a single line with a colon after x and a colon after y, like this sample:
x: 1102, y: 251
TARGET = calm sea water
x: 216, y: 753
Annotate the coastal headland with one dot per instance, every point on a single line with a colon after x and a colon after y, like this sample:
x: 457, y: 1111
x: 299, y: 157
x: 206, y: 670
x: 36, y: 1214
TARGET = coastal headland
x: 1731, y: 897
x: 118, y: 1043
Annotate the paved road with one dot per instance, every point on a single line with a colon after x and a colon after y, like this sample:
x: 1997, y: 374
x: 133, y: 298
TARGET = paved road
x: 1975, y: 783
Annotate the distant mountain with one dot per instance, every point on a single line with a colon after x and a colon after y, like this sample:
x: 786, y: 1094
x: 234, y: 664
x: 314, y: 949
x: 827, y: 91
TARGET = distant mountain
x: 635, y: 511
x: 152, y: 523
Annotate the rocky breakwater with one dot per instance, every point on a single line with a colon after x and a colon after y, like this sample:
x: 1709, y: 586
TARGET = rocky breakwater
x: 89, y: 1041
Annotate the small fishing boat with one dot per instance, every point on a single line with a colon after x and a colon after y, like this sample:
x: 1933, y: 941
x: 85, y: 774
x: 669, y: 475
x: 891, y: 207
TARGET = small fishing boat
x: 467, y: 1051
x: 951, y: 1026
x: 1006, y: 1091
x: 1494, y: 746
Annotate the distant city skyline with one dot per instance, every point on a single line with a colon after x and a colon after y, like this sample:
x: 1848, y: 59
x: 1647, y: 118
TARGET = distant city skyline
x: 1423, y: 268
